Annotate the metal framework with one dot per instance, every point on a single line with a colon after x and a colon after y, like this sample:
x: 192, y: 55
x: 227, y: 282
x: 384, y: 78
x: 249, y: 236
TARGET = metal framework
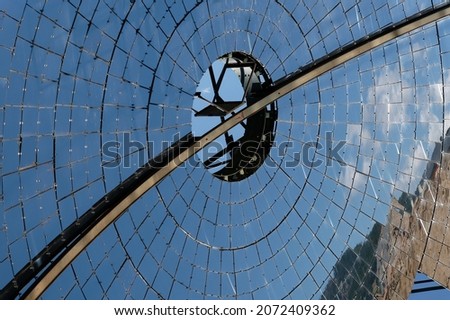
x: 244, y: 154
x: 46, y: 266
x: 427, y: 286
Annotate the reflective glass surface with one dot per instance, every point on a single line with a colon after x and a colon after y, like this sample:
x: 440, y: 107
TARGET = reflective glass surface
x: 351, y: 201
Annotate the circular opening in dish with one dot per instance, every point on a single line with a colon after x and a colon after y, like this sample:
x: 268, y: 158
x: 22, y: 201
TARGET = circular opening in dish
x: 232, y: 83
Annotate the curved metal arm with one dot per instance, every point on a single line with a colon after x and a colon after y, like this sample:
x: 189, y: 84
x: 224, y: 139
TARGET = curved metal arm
x: 60, y: 252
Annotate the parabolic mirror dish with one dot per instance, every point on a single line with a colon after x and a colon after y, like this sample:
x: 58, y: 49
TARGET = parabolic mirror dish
x: 349, y: 200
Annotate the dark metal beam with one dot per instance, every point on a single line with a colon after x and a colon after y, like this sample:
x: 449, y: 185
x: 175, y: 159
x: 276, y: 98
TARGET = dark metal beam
x: 423, y: 281
x: 427, y: 289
